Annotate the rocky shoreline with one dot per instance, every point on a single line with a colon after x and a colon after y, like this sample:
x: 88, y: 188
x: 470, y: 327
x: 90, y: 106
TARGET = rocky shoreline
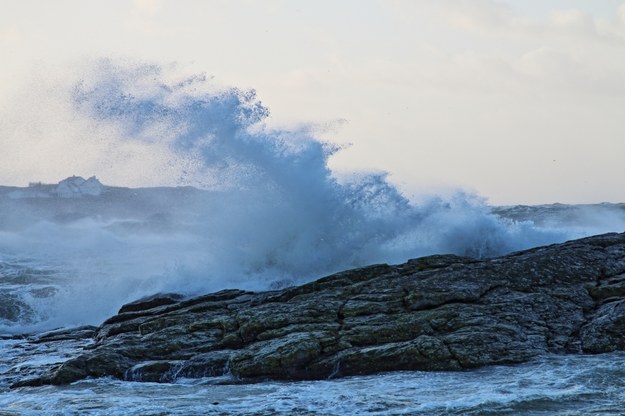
x: 433, y: 313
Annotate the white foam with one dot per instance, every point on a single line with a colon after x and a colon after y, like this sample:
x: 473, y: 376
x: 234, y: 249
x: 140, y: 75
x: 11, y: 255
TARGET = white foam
x: 573, y: 385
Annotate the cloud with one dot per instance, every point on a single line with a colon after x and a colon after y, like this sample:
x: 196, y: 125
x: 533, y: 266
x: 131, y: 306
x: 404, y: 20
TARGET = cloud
x: 621, y: 13
x: 9, y: 35
x: 574, y: 19
x: 148, y: 7
x: 475, y: 15
x: 146, y: 19
x: 478, y: 15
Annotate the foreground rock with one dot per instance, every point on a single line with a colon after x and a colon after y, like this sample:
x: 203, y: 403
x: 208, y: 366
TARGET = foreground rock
x: 432, y: 313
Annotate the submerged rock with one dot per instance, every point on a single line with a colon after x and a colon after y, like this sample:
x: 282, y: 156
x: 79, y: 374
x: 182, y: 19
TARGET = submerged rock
x: 433, y: 313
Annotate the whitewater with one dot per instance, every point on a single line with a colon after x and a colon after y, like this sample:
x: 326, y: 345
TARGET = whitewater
x: 240, y: 205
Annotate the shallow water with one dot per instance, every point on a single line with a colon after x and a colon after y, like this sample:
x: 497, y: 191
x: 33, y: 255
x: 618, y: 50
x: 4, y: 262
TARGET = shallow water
x: 555, y: 385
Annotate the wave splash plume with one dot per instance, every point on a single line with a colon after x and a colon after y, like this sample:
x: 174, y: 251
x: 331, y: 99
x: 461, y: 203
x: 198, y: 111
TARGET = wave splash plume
x: 268, y: 210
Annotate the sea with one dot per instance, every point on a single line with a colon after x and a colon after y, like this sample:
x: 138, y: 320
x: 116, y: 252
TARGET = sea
x: 233, y: 203
x: 553, y: 385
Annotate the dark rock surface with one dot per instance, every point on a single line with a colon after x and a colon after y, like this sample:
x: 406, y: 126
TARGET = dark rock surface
x: 433, y: 313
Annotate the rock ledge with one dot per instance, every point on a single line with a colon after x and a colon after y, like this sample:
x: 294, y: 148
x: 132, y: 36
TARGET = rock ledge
x: 433, y: 313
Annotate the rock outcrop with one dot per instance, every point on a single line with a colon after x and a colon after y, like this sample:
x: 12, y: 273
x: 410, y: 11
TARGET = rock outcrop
x: 434, y: 313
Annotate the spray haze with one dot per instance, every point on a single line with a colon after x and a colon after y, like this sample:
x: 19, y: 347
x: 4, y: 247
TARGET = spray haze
x: 264, y: 210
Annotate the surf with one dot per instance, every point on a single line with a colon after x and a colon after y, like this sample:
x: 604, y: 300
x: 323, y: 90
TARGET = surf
x: 199, y: 194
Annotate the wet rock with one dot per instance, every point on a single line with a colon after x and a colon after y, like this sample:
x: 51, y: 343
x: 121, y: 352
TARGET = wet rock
x: 154, y: 371
x: 432, y: 313
x: 151, y: 302
x: 77, y: 333
x: 32, y: 360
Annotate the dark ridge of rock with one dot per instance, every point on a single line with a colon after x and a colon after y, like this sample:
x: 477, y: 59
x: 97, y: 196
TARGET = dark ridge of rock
x: 32, y: 359
x: 151, y: 302
x: 80, y: 332
x: 432, y: 313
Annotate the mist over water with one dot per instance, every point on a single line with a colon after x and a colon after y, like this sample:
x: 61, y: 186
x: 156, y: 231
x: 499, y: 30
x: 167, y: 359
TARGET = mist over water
x: 271, y: 212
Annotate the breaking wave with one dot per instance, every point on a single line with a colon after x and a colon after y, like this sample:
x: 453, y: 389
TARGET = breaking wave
x: 271, y: 212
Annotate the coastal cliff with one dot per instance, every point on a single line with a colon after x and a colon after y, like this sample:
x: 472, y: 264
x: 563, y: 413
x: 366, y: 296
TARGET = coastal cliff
x: 439, y: 312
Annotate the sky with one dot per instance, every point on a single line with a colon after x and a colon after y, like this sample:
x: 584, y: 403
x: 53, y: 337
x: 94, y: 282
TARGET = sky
x: 519, y: 101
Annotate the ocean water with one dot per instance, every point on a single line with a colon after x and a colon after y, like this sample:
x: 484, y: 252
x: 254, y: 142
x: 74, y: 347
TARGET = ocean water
x: 554, y: 385
x: 246, y: 207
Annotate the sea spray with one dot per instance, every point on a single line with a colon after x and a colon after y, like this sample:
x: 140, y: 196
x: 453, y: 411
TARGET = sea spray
x: 271, y: 211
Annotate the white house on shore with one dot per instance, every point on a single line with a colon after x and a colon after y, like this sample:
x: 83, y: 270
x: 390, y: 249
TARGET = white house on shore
x: 72, y: 187
x: 76, y: 187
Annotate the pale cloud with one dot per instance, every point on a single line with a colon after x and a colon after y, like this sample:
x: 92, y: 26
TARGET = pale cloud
x: 148, y: 7
x: 9, y: 35
x: 478, y: 16
x: 146, y: 19
x: 542, y: 89
x: 547, y: 63
x: 469, y: 15
x: 574, y: 19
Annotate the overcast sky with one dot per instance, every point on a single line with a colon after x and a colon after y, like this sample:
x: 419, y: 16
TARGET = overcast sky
x: 521, y: 101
